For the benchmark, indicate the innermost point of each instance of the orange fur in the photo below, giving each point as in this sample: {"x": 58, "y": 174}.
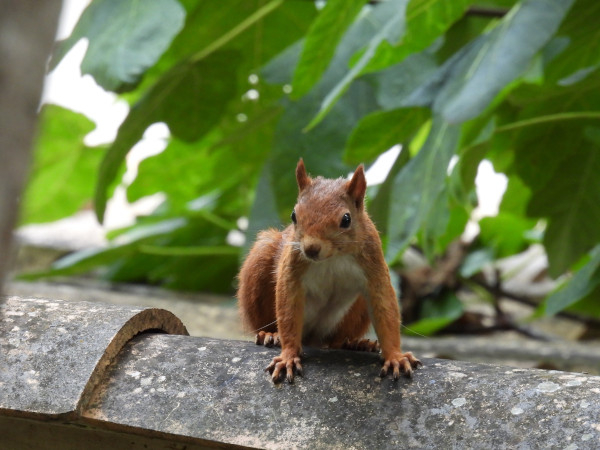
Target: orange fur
{"x": 322, "y": 279}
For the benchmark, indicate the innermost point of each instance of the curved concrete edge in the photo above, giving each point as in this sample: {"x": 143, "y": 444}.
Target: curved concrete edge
{"x": 210, "y": 391}
{"x": 149, "y": 320}
{"x": 53, "y": 353}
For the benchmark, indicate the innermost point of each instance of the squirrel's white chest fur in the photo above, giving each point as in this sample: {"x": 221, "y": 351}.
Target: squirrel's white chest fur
{"x": 331, "y": 287}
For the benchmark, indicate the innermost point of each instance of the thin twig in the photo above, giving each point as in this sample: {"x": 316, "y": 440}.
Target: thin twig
{"x": 588, "y": 321}
{"x": 482, "y": 11}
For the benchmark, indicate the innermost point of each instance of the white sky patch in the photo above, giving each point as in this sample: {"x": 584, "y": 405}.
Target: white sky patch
{"x": 382, "y": 165}
{"x": 490, "y": 187}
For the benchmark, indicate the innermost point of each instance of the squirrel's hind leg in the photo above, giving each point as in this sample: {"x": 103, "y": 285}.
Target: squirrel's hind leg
{"x": 268, "y": 339}
{"x": 349, "y": 333}
{"x": 362, "y": 345}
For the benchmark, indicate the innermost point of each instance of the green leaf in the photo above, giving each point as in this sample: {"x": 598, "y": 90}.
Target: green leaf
{"x": 438, "y": 313}
{"x": 257, "y": 30}
{"x": 215, "y": 250}
{"x": 390, "y": 18}
{"x": 125, "y": 38}
{"x": 408, "y": 83}
{"x": 468, "y": 28}
{"x": 582, "y": 56}
{"x": 190, "y": 98}
{"x": 426, "y": 20}
{"x": 198, "y": 169}
{"x": 445, "y": 224}
{"x": 256, "y": 33}
{"x": 379, "y": 207}
{"x": 505, "y": 233}
{"x": 322, "y": 147}
{"x": 88, "y": 259}
{"x": 381, "y": 130}
{"x": 418, "y": 186}
{"x": 516, "y": 197}
{"x": 60, "y": 182}
{"x": 321, "y": 41}
{"x": 571, "y": 201}
{"x": 589, "y": 305}
{"x": 263, "y": 213}
{"x": 176, "y": 269}
{"x": 475, "y": 261}
{"x": 462, "y": 178}
{"x": 498, "y": 58}
{"x": 584, "y": 281}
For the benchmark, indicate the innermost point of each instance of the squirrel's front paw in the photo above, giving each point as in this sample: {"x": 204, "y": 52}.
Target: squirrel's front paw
{"x": 400, "y": 362}
{"x": 286, "y": 363}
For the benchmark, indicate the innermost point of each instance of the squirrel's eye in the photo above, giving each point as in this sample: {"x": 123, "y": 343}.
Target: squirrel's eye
{"x": 294, "y": 216}
{"x": 345, "y": 223}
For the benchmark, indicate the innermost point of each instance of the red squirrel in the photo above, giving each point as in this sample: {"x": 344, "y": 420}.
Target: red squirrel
{"x": 321, "y": 280}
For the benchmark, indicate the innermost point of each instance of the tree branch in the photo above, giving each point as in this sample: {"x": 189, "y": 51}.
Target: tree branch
{"x": 482, "y": 11}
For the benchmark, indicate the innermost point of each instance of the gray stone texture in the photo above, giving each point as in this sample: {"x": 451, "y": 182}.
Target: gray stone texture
{"x": 214, "y": 390}
{"x": 52, "y": 352}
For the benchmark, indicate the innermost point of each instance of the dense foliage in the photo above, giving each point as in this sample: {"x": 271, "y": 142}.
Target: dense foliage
{"x": 248, "y": 87}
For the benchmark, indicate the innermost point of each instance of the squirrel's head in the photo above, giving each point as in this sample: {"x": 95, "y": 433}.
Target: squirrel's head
{"x": 329, "y": 215}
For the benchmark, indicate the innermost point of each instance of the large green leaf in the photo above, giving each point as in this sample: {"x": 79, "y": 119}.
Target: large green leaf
{"x": 582, "y": 53}
{"x": 192, "y": 96}
{"x": 426, "y": 20}
{"x": 381, "y": 130}
{"x": 88, "y": 259}
{"x": 465, "y": 85}
{"x": 437, "y": 314}
{"x": 389, "y": 21}
{"x": 125, "y": 37}
{"x": 321, "y": 41}
{"x": 264, "y": 213}
{"x": 516, "y": 197}
{"x": 571, "y": 201}
{"x": 505, "y": 233}
{"x": 193, "y": 257}
{"x": 160, "y": 252}
{"x": 190, "y": 99}
{"x": 257, "y": 30}
{"x": 417, "y": 188}
{"x": 582, "y": 283}
{"x": 63, "y": 170}
{"x": 379, "y": 205}
{"x": 413, "y": 82}
{"x": 201, "y": 164}
{"x": 323, "y": 146}
{"x": 498, "y": 58}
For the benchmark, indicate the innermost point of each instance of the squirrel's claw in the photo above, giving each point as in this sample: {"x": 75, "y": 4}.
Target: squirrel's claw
{"x": 285, "y": 365}
{"x": 401, "y": 362}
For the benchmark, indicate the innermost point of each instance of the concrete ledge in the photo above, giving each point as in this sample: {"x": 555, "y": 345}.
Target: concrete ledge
{"x": 53, "y": 353}
{"x": 213, "y": 391}
{"x": 73, "y": 373}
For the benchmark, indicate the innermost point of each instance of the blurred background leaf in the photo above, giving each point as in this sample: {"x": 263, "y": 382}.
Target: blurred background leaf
{"x": 248, "y": 87}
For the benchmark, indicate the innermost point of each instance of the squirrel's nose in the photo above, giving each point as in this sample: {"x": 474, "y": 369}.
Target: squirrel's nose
{"x": 312, "y": 251}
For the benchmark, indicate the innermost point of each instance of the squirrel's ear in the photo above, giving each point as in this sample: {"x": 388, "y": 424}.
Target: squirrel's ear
{"x": 301, "y": 177}
{"x": 357, "y": 186}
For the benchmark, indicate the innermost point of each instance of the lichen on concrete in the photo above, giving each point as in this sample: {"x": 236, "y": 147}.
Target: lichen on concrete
{"x": 218, "y": 391}
{"x": 51, "y": 351}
